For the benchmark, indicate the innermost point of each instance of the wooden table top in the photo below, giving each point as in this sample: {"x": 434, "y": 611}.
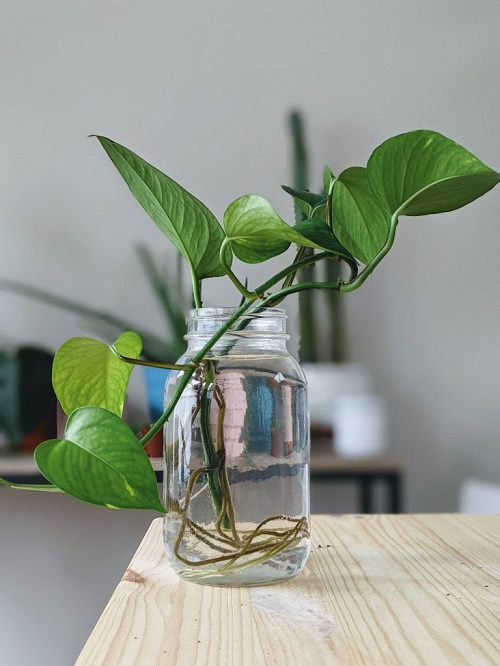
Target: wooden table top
{"x": 379, "y": 589}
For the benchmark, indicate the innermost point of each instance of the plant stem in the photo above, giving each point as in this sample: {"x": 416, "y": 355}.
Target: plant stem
{"x": 48, "y": 488}
{"x": 197, "y": 359}
{"x": 196, "y": 289}
{"x": 150, "y": 364}
{"x": 292, "y": 269}
{"x": 252, "y": 295}
{"x": 272, "y": 299}
{"x": 369, "y": 268}
{"x": 278, "y": 296}
{"x": 213, "y": 460}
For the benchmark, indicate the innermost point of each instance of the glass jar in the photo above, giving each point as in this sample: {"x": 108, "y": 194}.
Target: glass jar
{"x": 236, "y": 457}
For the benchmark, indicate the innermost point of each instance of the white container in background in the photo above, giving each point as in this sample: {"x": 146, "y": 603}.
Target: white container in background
{"x": 329, "y": 381}
{"x": 360, "y": 426}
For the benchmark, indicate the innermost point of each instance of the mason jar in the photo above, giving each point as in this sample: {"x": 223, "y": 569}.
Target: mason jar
{"x": 236, "y": 455}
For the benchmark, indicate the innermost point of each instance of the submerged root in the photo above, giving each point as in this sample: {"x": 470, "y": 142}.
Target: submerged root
{"x": 222, "y": 543}
{"x": 235, "y": 554}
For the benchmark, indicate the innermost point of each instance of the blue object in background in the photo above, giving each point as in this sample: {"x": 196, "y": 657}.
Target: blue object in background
{"x": 259, "y": 416}
{"x": 155, "y": 379}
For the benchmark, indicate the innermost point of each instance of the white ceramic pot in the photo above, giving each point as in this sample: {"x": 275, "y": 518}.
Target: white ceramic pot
{"x": 328, "y": 381}
{"x": 360, "y": 426}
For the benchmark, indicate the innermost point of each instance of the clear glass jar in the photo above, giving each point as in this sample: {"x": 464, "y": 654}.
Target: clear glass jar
{"x": 236, "y": 474}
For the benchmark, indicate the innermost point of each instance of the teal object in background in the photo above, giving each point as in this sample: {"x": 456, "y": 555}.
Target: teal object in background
{"x": 259, "y": 416}
{"x": 155, "y": 379}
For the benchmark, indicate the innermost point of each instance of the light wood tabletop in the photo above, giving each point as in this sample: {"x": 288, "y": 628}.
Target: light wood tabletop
{"x": 380, "y": 589}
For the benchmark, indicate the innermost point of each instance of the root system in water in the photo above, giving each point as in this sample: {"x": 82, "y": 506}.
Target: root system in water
{"x": 224, "y": 545}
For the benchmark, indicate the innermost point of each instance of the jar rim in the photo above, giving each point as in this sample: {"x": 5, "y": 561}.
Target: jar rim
{"x": 263, "y": 321}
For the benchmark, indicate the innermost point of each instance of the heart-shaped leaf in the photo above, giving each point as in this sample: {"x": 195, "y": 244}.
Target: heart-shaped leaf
{"x": 255, "y": 229}
{"x": 257, "y": 232}
{"x": 100, "y": 461}
{"x": 185, "y": 220}
{"x": 360, "y": 222}
{"x": 86, "y": 372}
{"x": 423, "y": 172}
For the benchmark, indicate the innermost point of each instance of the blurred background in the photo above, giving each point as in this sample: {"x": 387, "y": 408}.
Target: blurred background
{"x": 203, "y": 91}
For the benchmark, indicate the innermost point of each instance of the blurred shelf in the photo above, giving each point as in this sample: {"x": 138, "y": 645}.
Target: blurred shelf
{"x": 366, "y": 473}
{"x": 324, "y": 462}
{"x": 19, "y": 468}
{"x": 17, "y": 463}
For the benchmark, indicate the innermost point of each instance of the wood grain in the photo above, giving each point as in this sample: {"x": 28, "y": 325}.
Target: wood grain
{"x": 379, "y": 589}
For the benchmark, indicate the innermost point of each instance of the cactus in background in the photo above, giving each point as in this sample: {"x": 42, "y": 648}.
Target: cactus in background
{"x": 311, "y": 300}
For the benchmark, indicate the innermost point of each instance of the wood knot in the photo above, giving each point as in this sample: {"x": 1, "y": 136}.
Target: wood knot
{"x": 132, "y": 576}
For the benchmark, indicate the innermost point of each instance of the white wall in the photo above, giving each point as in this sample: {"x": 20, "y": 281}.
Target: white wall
{"x": 201, "y": 90}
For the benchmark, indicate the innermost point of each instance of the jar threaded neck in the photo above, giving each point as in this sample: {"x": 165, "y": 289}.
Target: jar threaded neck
{"x": 264, "y": 321}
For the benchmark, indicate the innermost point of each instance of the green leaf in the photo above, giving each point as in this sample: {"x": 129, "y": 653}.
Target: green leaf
{"x": 309, "y": 202}
{"x": 257, "y": 232}
{"x": 328, "y": 179}
{"x": 186, "y": 222}
{"x": 100, "y": 461}
{"x": 255, "y": 229}
{"x": 360, "y": 222}
{"x": 423, "y": 172}
{"x": 86, "y": 372}
{"x": 320, "y": 233}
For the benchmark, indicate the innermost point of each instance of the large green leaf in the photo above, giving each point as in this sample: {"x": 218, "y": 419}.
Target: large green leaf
{"x": 360, "y": 222}
{"x": 86, "y": 372}
{"x": 423, "y": 172}
{"x": 255, "y": 229}
{"x": 186, "y": 222}
{"x": 100, "y": 461}
{"x": 257, "y": 232}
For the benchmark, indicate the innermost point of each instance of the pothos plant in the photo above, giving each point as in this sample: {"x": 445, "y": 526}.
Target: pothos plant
{"x": 100, "y": 460}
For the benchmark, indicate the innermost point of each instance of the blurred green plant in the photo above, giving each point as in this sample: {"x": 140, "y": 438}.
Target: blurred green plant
{"x": 167, "y": 288}
{"x": 314, "y": 305}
